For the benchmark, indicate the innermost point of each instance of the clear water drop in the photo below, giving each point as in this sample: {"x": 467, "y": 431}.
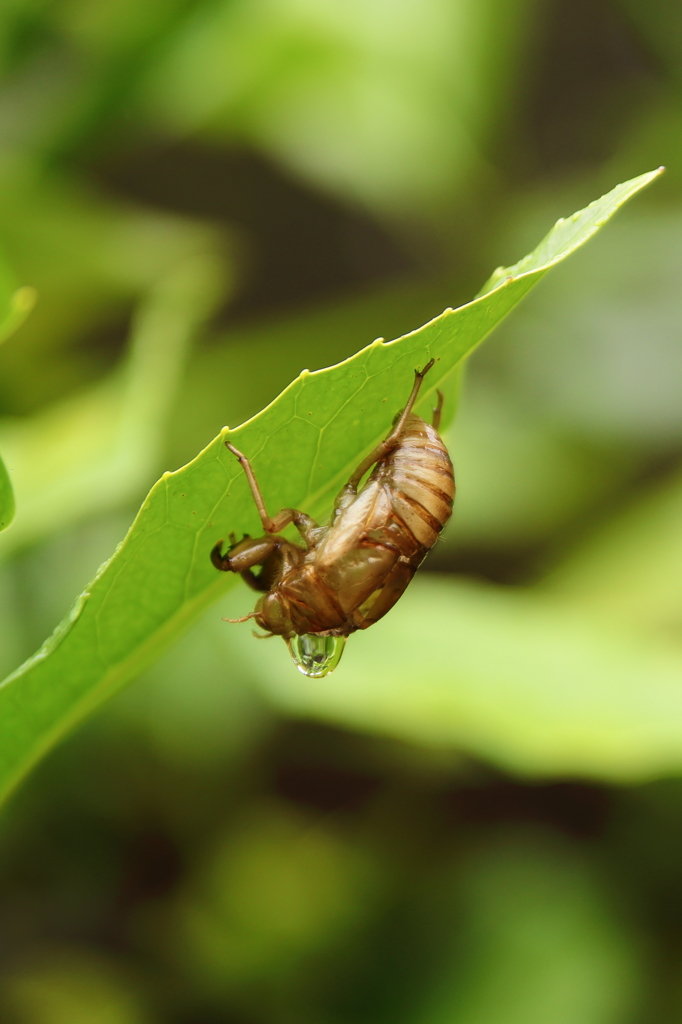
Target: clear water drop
{"x": 315, "y": 655}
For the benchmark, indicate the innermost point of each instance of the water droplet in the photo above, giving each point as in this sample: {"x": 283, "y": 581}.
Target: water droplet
{"x": 315, "y": 655}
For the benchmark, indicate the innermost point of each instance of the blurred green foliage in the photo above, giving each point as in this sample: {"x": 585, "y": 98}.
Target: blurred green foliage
{"x": 15, "y": 304}
{"x": 280, "y": 182}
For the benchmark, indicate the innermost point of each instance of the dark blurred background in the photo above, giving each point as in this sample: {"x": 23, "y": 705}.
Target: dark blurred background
{"x": 208, "y": 197}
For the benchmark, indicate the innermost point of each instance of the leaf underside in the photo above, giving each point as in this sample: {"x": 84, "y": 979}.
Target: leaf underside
{"x": 303, "y": 445}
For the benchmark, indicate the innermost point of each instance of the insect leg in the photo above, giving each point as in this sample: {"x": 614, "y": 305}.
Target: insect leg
{"x": 265, "y": 519}
{"x": 437, "y": 411}
{"x": 390, "y": 442}
{"x": 246, "y": 554}
{"x": 253, "y": 581}
{"x": 303, "y": 522}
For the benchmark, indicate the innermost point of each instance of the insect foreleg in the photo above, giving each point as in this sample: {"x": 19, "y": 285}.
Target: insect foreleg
{"x": 246, "y": 554}
{"x": 390, "y": 442}
{"x": 304, "y": 524}
{"x": 268, "y": 524}
{"x": 253, "y": 581}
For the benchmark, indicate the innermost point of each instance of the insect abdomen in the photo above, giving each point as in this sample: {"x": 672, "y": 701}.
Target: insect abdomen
{"x": 421, "y": 480}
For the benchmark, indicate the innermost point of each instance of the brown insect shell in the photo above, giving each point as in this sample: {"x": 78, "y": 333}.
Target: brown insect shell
{"x": 362, "y": 563}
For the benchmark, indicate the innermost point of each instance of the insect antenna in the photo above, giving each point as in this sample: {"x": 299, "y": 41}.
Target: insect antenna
{"x": 244, "y": 618}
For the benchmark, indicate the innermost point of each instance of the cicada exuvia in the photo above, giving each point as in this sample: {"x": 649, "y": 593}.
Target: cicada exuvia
{"x": 347, "y": 575}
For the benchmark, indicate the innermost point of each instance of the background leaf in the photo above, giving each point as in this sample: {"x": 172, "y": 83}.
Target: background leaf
{"x": 99, "y": 449}
{"x": 528, "y": 681}
{"x": 7, "y": 505}
{"x": 303, "y": 445}
{"x": 19, "y": 305}
{"x": 15, "y": 305}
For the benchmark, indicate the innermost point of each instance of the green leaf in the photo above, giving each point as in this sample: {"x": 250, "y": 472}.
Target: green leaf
{"x": 15, "y": 305}
{"x": 303, "y": 445}
{"x": 630, "y": 571}
{"x": 569, "y": 233}
{"x": 19, "y": 305}
{"x": 7, "y": 507}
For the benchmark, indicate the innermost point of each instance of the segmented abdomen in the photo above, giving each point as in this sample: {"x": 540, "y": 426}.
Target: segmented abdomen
{"x": 420, "y": 477}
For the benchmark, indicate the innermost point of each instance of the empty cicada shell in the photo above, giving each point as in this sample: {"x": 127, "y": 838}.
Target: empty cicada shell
{"x": 347, "y": 575}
